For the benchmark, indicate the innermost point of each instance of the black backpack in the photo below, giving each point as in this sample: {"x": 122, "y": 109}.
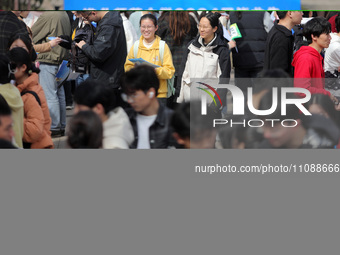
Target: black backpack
{"x": 80, "y": 62}
{"x": 32, "y": 93}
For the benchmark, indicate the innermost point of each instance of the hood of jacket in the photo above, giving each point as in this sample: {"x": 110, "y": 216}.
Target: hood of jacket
{"x": 217, "y": 41}
{"x": 118, "y": 131}
{"x": 12, "y": 96}
{"x": 306, "y": 52}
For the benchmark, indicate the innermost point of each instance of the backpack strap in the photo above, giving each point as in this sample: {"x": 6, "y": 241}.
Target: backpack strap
{"x": 32, "y": 93}
{"x": 161, "y": 49}
{"x": 135, "y": 48}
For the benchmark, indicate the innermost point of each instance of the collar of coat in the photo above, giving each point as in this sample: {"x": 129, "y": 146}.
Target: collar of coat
{"x": 217, "y": 41}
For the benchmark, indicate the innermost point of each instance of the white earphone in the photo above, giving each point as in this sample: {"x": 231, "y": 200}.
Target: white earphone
{"x": 151, "y": 94}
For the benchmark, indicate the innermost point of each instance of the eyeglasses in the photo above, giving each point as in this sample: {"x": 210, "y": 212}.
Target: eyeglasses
{"x": 127, "y": 98}
{"x": 202, "y": 27}
{"x": 87, "y": 16}
{"x": 147, "y": 27}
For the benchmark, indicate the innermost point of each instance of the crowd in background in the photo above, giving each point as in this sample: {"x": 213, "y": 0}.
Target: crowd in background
{"x": 131, "y": 75}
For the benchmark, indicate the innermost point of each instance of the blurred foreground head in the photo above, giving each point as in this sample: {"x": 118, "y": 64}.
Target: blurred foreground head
{"x": 191, "y": 128}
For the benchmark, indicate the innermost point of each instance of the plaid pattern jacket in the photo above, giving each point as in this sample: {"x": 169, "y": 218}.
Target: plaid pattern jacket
{"x": 9, "y": 26}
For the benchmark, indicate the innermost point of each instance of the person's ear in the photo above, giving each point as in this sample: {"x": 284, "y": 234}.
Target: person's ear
{"x": 23, "y": 68}
{"x": 99, "y": 109}
{"x": 151, "y": 93}
{"x": 314, "y": 38}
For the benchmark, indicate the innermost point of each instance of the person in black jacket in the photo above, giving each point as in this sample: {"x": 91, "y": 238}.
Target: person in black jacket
{"x": 248, "y": 56}
{"x": 149, "y": 118}
{"x": 108, "y": 52}
{"x": 280, "y": 42}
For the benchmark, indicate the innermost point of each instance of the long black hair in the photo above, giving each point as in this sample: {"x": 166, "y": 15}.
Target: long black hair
{"x": 19, "y": 56}
{"x": 214, "y": 21}
{"x": 27, "y": 41}
{"x": 85, "y": 131}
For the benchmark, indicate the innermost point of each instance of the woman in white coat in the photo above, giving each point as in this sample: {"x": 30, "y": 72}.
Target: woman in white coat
{"x": 208, "y": 55}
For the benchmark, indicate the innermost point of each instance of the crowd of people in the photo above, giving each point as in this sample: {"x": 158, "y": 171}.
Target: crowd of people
{"x": 134, "y": 73}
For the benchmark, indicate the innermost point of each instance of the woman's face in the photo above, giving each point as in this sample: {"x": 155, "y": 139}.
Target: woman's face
{"x": 18, "y": 43}
{"x": 205, "y": 29}
{"x": 148, "y": 29}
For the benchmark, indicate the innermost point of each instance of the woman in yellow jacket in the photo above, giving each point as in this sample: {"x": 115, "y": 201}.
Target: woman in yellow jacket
{"x": 149, "y": 50}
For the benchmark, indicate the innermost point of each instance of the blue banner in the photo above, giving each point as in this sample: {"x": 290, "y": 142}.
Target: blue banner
{"x": 183, "y": 5}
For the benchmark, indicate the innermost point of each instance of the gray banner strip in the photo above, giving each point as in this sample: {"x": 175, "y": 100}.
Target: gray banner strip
{"x": 152, "y": 202}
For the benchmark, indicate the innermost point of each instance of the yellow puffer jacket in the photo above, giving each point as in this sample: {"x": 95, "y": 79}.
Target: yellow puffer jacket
{"x": 166, "y": 71}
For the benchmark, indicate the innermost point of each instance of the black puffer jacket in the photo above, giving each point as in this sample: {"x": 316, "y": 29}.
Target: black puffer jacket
{"x": 251, "y": 46}
{"x": 108, "y": 52}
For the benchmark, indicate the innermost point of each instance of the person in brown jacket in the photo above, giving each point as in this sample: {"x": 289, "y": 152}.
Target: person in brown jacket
{"x": 37, "y": 120}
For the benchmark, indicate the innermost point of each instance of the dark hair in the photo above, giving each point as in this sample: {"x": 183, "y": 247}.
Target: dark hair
{"x": 27, "y": 41}
{"x": 5, "y": 76}
{"x": 92, "y": 92}
{"x": 337, "y": 23}
{"x": 213, "y": 18}
{"x": 316, "y": 27}
{"x": 141, "y": 77}
{"x": 326, "y": 104}
{"x": 180, "y": 120}
{"x": 188, "y": 121}
{"x": 281, "y": 14}
{"x": 149, "y": 16}
{"x": 5, "y": 110}
{"x": 214, "y": 21}
{"x": 85, "y": 131}
{"x": 272, "y": 78}
{"x": 229, "y": 134}
{"x": 19, "y": 56}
